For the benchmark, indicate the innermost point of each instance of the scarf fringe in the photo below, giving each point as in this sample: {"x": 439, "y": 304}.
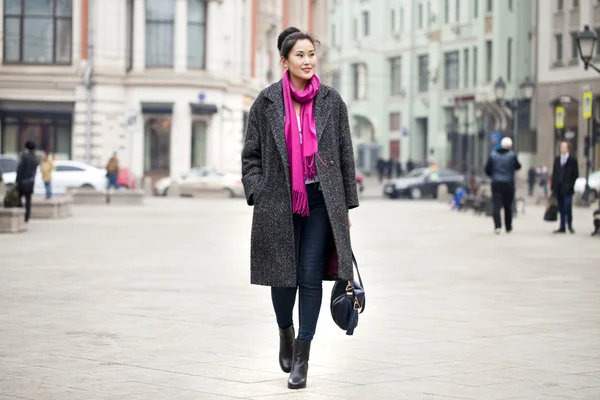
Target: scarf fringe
{"x": 300, "y": 203}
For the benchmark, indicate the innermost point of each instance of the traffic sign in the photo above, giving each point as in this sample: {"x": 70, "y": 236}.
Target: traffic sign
{"x": 559, "y": 117}
{"x": 587, "y": 105}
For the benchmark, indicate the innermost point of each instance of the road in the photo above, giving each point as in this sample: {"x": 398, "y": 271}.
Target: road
{"x": 154, "y": 302}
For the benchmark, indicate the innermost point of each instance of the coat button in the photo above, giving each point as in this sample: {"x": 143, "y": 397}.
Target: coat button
{"x": 332, "y": 162}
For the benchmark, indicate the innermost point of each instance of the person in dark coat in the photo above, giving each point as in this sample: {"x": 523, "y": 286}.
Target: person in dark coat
{"x": 501, "y": 167}
{"x": 25, "y": 179}
{"x": 531, "y": 178}
{"x": 298, "y": 172}
{"x": 564, "y": 174}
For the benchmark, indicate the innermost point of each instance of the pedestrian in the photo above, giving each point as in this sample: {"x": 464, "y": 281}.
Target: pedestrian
{"x": 531, "y": 178}
{"x": 544, "y": 179}
{"x": 564, "y": 174}
{"x": 380, "y": 168}
{"x": 298, "y": 172}
{"x": 25, "y": 178}
{"x": 112, "y": 171}
{"x": 501, "y": 167}
{"x": 46, "y": 168}
{"x": 410, "y": 165}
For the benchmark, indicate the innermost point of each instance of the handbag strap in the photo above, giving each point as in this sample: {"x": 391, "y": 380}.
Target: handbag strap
{"x": 362, "y": 306}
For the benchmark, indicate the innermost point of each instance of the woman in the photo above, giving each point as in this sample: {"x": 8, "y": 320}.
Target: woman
{"x": 46, "y": 167}
{"x": 298, "y": 173}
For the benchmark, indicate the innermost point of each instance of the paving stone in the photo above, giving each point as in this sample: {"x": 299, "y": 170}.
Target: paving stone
{"x": 154, "y": 302}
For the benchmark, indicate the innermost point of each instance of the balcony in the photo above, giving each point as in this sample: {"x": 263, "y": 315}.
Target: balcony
{"x": 597, "y": 15}
{"x": 559, "y": 21}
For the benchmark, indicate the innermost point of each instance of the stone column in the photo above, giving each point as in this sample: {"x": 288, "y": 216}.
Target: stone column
{"x": 139, "y": 36}
{"x": 180, "y": 53}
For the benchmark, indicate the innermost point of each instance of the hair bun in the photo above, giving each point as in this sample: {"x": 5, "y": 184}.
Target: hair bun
{"x": 284, "y": 34}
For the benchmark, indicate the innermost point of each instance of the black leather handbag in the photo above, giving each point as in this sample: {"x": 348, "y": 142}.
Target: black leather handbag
{"x": 347, "y": 301}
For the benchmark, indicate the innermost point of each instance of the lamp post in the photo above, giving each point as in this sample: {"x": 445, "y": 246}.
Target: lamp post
{"x": 526, "y": 93}
{"x": 467, "y": 160}
{"x": 586, "y": 45}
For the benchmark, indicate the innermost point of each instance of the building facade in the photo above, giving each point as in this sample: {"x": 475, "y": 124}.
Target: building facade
{"x": 403, "y": 66}
{"x": 561, "y": 77}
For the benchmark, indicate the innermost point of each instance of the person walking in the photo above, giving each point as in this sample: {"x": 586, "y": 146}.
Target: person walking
{"x": 298, "y": 172}
{"x": 501, "y": 167}
{"x": 112, "y": 171}
{"x": 532, "y": 175}
{"x": 564, "y": 174}
{"x": 46, "y": 168}
{"x": 25, "y": 178}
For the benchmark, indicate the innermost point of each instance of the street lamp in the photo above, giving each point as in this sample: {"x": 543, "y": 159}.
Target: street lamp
{"x": 527, "y": 88}
{"x": 586, "y": 44}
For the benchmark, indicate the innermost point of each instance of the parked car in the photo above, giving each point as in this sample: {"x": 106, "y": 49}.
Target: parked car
{"x": 199, "y": 180}
{"x": 594, "y": 186}
{"x": 66, "y": 174}
{"x": 423, "y": 182}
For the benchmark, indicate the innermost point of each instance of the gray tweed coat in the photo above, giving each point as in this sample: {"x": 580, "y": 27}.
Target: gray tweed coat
{"x": 265, "y": 175}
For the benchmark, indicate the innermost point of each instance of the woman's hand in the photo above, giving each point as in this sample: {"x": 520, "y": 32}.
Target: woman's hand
{"x": 349, "y": 222}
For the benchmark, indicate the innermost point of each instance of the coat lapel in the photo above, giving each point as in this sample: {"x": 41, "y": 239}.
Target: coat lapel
{"x": 276, "y": 117}
{"x": 322, "y": 111}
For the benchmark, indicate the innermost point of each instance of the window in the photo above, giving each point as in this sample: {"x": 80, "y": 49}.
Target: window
{"x": 393, "y": 21}
{"x": 457, "y": 10}
{"x": 336, "y": 80}
{"x": 509, "y": 60}
{"x": 489, "y": 58}
{"x": 428, "y": 16}
{"x": 49, "y": 134}
{"x": 360, "y": 81}
{"x": 475, "y": 77}
{"x": 355, "y": 29}
{"x": 38, "y": 32}
{"x": 446, "y": 11}
{"x": 157, "y": 144}
{"x": 402, "y": 19}
{"x": 160, "y": 31}
{"x": 510, "y": 5}
{"x": 420, "y": 15}
{"x": 560, "y": 5}
{"x": 466, "y": 67}
{"x": 332, "y": 35}
{"x": 365, "y": 19}
{"x": 423, "y": 73}
{"x": 575, "y": 4}
{"x": 196, "y": 34}
{"x": 394, "y": 121}
{"x": 129, "y": 35}
{"x": 199, "y": 144}
{"x": 476, "y": 8}
{"x": 451, "y": 65}
{"x": 558, "y": 40}
{"x": 396, "y": 76}
{"x": 490, "y": 5}
{"x": 574, "y": 49}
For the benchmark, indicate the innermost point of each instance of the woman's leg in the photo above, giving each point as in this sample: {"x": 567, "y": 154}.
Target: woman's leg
{"x": 315, "y": 248}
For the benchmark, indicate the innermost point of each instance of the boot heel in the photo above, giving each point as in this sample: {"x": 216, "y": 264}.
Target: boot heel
{"x": 298, "y": 375}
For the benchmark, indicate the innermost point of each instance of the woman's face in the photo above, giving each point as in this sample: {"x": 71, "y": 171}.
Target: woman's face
{"x": 302, "y": 60}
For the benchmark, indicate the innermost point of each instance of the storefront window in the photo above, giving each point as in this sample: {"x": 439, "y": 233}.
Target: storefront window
{"x": 199, "y": 144}
{"x": 157, "y": 145}
{"x": 48, "y": 134}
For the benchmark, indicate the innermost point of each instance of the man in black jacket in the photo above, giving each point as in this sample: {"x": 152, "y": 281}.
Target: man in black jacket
{"x": 501, "y": 167}
{"x": 564, "y": 174}
{"x": 25, "y": 179}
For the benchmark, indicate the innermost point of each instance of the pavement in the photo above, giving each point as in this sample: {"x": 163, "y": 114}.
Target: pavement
{"x": 154, "y": 302}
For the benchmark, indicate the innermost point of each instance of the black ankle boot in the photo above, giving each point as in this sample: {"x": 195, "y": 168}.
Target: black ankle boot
{"x": 297, "y": 379}
{"x": 286, "y": 348}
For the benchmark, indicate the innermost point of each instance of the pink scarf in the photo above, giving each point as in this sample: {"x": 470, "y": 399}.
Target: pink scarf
{"x": 301, "y": 156}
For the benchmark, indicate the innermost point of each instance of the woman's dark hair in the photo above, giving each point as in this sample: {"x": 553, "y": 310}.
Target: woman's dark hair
{"x": 288, "y": 38}
{"x": 30, "y": 145}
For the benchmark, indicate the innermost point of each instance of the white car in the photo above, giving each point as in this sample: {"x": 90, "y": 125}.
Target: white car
{"x": 594, "y": 186}
{"x": 66, "y": 174}
{"x": 200, "y": 180}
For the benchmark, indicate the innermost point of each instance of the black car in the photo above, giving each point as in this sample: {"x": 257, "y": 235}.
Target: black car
{"x": 423, "y": 182}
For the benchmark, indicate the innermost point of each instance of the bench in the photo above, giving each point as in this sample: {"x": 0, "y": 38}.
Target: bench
{"x": 55, "y": 207}
{"x": 12, "y": 220}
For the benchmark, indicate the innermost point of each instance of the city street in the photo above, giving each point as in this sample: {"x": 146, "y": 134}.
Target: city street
{"x": 154, "y": 302}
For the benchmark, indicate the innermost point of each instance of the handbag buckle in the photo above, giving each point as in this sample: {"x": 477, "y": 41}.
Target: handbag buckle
{"x": 349, "y": 289}
{"x": 356, "y": 303}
